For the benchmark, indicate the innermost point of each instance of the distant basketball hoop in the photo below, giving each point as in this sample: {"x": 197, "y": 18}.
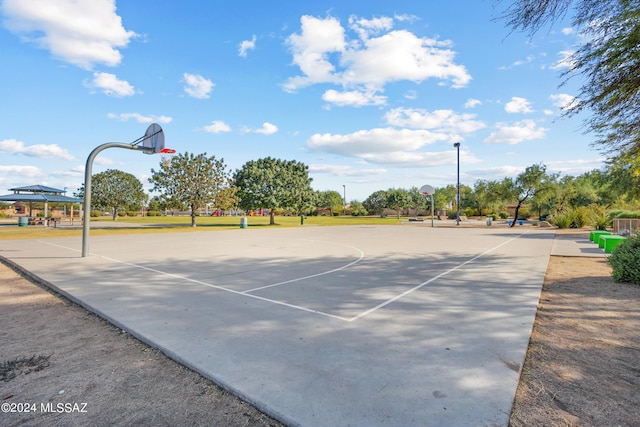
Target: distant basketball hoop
{"x": 428, "y": 191}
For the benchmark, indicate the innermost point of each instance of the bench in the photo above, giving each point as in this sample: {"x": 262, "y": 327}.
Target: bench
{"x": 594, "y": 235}
{"x": 610, "y": 242}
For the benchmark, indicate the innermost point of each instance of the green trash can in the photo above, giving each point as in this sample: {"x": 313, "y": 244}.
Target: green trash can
{"x": 23, "y": 221}
{"x": 244, "y": 223}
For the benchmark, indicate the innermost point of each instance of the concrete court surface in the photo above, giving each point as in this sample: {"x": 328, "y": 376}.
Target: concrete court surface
{"x": 323, "y": 326}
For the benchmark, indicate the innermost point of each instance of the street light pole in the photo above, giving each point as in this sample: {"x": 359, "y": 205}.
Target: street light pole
{"x": 457, "y": 145}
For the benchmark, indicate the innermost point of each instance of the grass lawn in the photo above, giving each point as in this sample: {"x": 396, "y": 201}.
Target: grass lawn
{"x": 9, "y": 229}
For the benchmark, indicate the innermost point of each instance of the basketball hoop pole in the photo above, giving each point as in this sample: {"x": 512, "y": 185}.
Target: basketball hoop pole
{"x": 87, "y": 186}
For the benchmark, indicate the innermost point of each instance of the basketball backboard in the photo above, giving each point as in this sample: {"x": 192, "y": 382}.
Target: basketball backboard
{"x": 154, "y": 138}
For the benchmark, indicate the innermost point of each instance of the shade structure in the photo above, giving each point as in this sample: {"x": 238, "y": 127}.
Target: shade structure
{"x": 38, "y": 193}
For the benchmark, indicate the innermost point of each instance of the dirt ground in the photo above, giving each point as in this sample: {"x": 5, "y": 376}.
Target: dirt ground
{"x": 60, "y": 365}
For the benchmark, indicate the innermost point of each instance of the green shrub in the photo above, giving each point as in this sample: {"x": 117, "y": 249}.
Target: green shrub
{"x": 132, "y": 213}
{"x": 154, "y": 213}
{"x": 625, "y": 261}
{"x": 523, "y": 212}
{"x": 560, "y": 219}
{"x": 503, "y": 215}
{"x": 120, "y": 213}
{"x": 579, "y": 217}
{"x": 599, "y": 218}
{"x": 624, "y": 214}
{"x": 94, "y": 213}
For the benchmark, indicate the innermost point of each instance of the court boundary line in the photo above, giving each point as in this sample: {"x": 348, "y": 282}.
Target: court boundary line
{"x": 308, "y": 310}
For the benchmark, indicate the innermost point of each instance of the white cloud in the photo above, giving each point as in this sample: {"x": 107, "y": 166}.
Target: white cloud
{"x": 472, "y": 103}
{"x": 82, "y": 33}
{"x": 379, "y": 140}
{"x": 388, "y": 146}
{"x": 496, "y": 172}
{"x": 518, "y": 105}
{"x": 564, "y": 101}
{"x": 111, "y": 85}
{"x": 13, "y": 146}
{"x": 102, "y": 160}
{"x": 365, "y": 64}
{"x": 401, "y": 55}
{"x": 247, "y": 45}
{"x": 442, "y": 120}
{"x": 123, "y": 117}
{"x": 353, "y": 98}
{"x": 368, "y": 27}
{"x": 525, "y": 130}
{"x": 342, "y": 170}
{"x": 568, "y": 31}
{"x": 566, "y": 60}
{"x": 197, "y": 86}
{"x": 21, "y": 171}
{"x": 267, "y": 129}
{"x": 217, "y": 126}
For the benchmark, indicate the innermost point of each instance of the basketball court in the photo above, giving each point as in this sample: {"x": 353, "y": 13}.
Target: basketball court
{"x": 323, "y": 326}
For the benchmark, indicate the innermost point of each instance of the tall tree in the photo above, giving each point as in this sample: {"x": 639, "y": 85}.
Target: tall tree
{"x": 376, "y": 202}
{"x": 485, "y": 196}
{"x": 609, "y": 59}
{"x": 416, "y": 200}
{"x": 191, "y": 180}
{"x": 445, "y": 197}
{"x": 526, "y": 186}
{"x": 329, "y": 200}
{"x": 116, "y": 190}
{"x": 273, "y": 183}
{"x": 398, "y": 199}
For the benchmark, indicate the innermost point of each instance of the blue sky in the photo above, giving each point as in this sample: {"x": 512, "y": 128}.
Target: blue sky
{"x": 369, "y": 94}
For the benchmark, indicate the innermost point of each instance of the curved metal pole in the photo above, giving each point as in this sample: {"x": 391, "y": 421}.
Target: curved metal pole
{"x": 86, "y": 215}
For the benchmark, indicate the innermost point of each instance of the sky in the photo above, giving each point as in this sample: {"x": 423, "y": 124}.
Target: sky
{"x": 370, "y": 95}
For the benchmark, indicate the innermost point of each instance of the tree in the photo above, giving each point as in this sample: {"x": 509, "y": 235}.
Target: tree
{"x": 329, "y": 200}
{"x": 609, "y": 59}
{"x": 357, "y": 208}
{"x": 526, "y": 185}
{"x": 416, "y": 200}
{"x": 191, "y": 180}
{"x": 397, "y": 199}
{"x": 487, "y": 195}
{"x": 273, "y": 183}
{"x": 624, "y": 176}
{"x": 116, "y": 190}
{"x": 376, "y": 202}
{"x": 444, "y": 197}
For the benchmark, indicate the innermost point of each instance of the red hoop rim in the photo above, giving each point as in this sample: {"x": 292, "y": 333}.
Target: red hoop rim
{"x": 167, "y": 151}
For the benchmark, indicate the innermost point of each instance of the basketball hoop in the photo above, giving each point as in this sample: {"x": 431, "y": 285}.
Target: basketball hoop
{"x": 428, "y": 191}
{"x": 153, "y": 140}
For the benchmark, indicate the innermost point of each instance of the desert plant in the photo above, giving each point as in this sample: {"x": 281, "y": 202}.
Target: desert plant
{"x": 625, "y": 261}
{"x": 560, "y": 219}
{"x": 579, "y": 216}
{"x": 523, "y": 213}
{"x": 599, "y": 218}
{"x": 503, "y": 215}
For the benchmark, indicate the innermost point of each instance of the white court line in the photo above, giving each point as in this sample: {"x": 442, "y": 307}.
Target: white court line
{"x": 351, "y": 319}
{"x": 313, "y": 275}
{"x": 405, "y": 293}
{"x": 221, "y": 288}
